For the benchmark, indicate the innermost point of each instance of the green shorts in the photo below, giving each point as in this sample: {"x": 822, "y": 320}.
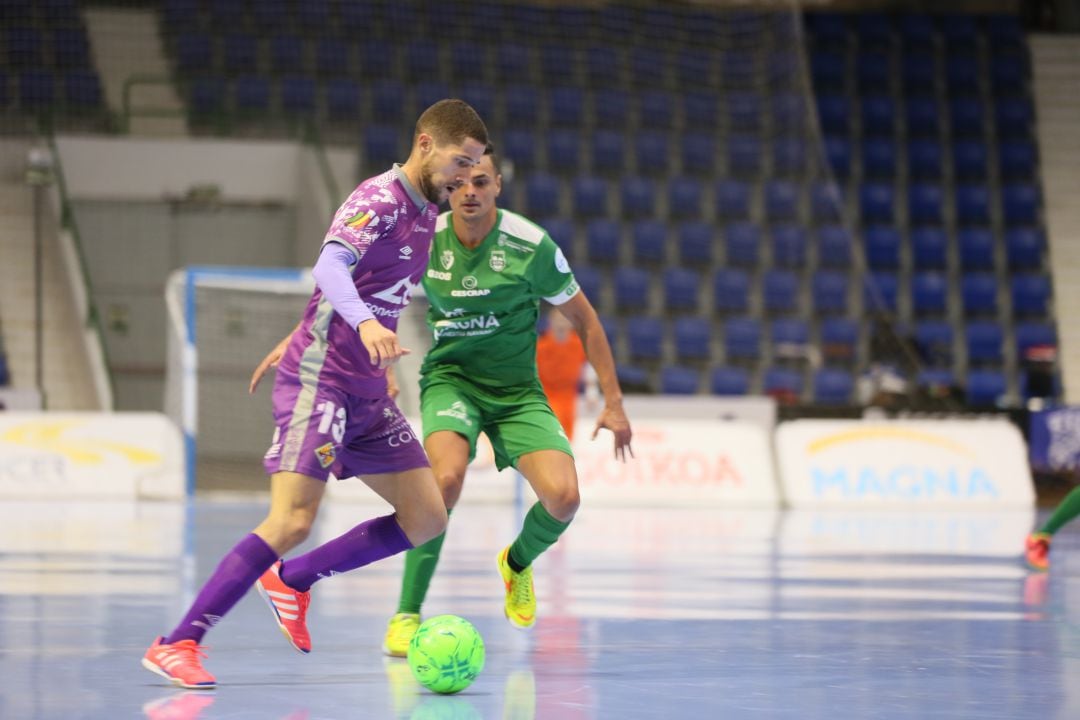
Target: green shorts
{"x": 517, "y": 421}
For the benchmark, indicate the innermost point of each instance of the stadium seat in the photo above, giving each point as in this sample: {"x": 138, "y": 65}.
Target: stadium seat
{"x": 608, "y": 149}
{"x": 917, "y": 32}
{"x": 878, "y": 116}
{"x": 684, "y": 198}
{"x": 638, "y": 197}
{"x": 206, "y": 95}
{"x": 834, "y": 246}
{"x": 744, "y": 156}
{"x": 566, "y": 107}
{"x": 298, "y": 95}
{"x": 876, "y": 202}
{"x": 731, "y": 291}
{"x": 511, "y": 62}
{"x": 834, "y": 114}
{"x": 985, "y": 387}
{"x": 1017, "y": 159}
{"x": 693, "y": 339}
{"x": 651, "y": 152}
{"x": 71, "y": 49}
{"x": 788, "y": 156}
{"x": 934, "y": 339}
{"x": 969, "y": 159}
{"x": 696, "y": 243}
{"x": 645, "y": 338}
{"x": 647, "y": 65}
{"x": 286, "y": 53}
{"x": 240, "y": 52}
{"x": 563, "y": 151}
{"x": 825, "y": 202}
{"x": 377, "y": 58}
{"x": 562, "y": 232}
{"x": 179, "y": 15}
{"x": 270, "y": 14}
{"x": 978, "y": 292}
{"x": 24, "y": 46}
{"x": 602, "y": 241}
{"x": 82, "y": 90}
{"x": 782, "y": 381}
{"x": 1009, "y": 74}
{"x": 633, "y": 378}
{"x": 788, "y": 244}
{"x": 227, "y": 14}
{"x": 929, "y": 293}
{"x": 1024, "y": 248}
{"x": 879, "y": 158}
{"x": 602, "y": 63}
{"x": 656, "y": 110}
{"x": 830, "y": 292}
{"x": 194, "y": 52}
{"x": 919, "y": 70}
{"x": 972, "y": 204}
{"x": 681, "y": 288}
{"x": 925, "y": 203}
{"x": 251, "y": 94}
{"x": 962, "y": 74}
{"x": 592, "y": 284}
{"x": 828, "y": 69}
{"x": 929, "y": 248}
{"x": 983, "y": 339}
{"x": 880, "y": 292}
{"x": 874, "y": 29}
{"x": 1020, "y": 203}
{"x": 611, "y": 108}
{"x": 729, "y": 381}
{"x": 925, "y": 159}
{"x": 1031, "y": 334}
{"x": 428, "y": 92}
{"x": 632, "y": 289}
{"x": 542, "y": 194}
{"x": 744, "y": 111}
{"x": 833, "y": 386}
{"x": 331, "y": 57}
{"x": 693, "y": 67}
{"x": 839, "y": 339}
{"x": 420, "y": 58}
{"x": 649, "y": 239}
{"x": 959, "y": 31}
{"x": 387, "y": 100}
{"x": 732, "y": 200}
{"x": 742, "y": 339}
{"x": 466, "y": 58}
{"x": 1014, "y": 117}
{"x": 1030, "y": 295}
{"x": 976, "y": 246}
{"x": 698, "y": 152}
{"x": 873, "y": 70}
{"x": 678, "y": 380}
{"x": 700, "y": 109}
{"x": 882, "y": 247}
{"x": 780, "y": 290}
{"x": 790, "y": 338}
{"x": 838, "y": 155}
{"x": 480, "y": 95}
{"x": 520, "y": 147}
{"x": 521, "y": 105}
{"x": 590, "y": 197}
{"x": 382, "y": 145}
{"x": 966, "y": 114}
{"x": 781, "y": 201}
{"x": 742, "y": 243}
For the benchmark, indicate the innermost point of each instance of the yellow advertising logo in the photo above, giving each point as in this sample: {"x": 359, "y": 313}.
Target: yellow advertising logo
{"x": 881, "y": 432}
{"x": 50, "y": 437}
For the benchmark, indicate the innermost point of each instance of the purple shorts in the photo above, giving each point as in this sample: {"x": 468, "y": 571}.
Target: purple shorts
{"x": 320, "y": 430}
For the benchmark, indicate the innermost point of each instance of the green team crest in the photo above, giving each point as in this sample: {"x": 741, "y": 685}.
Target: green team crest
{"x": 446, "y": 259}
{"x": 497, "y": 260}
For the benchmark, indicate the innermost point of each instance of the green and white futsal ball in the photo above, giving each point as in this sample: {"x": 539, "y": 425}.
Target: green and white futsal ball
{"x": 446, "y": 654}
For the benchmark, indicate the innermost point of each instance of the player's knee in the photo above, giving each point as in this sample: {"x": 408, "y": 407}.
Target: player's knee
{"x": 450, "y": 484}
{"x": 297, "y": 527}
{"x": 423, "y": 524}
{"x": 563, "y": 503}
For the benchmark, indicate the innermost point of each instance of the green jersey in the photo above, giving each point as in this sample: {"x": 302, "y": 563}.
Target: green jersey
{"x": 484, "y": 302}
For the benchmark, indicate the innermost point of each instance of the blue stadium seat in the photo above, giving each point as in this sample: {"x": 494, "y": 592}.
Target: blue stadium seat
{"x": 611, "y": 108}
{"x": 382, "y": 145}
{"x": 976, "y": 246}
{"x": 698, "y": 152}
{"x": 839, "y": 339}
{"x": 966, "y": 116}
{"x": 780, "y": 290}
{"x": 558, "y": 62}
{"x": 917, "y": 31}
{"x": 742, "y": 338}
{"x": 874, "y": 29}
{"x": 693, "y": 66}
{"x": 732, "y": 200}
{"x": 701, "y": 109}
{"x": 651, "y": 152}
{"x": 744, "y": 111}
{"x": 376, "y": 57}
{"x": 969, "y": 159}
{"x": 206, "y": 95}
{"x": 782, "y": 381}
{"x": 1024, "y": 248}
{"x": 788, "y": 156}
{"x": 592, "y": 284}
{"x": 972, "y": 204}
{"x": 421, "y": 59}
{"x": 270, "y": 14}
{"x": 919, "y": 70}
{"x": 744, "y": 156}
{"x": 879, "y": 158}
{"x": 978, "y": 292}
{"x": 566, "y": 106}
{"x": 331, "y": 57}
{"x": 925, "y": 159}
{"x": 194, "y": 53}
{"x": 962, "y": 73}
{"x": 466, "y": 58}
{"x": 387, "y": 100}
{"x": 656, "y": 110}
{"x": 428, "y": 92}
{"x": 1009, "y": 74}
{"x": 649, "y": 241}
{"x": 179, "y": 15}
{"x": 923, "y": 117}
{"x": 737, "y": 68}
{"x": 729, "y": 381}
{"x": 834, "y": 113}
{"x": 834, "y": 246}
{"x": 602, "y": 63}
{"x": 742, "y": 242}
{"x": 511, "y": 62}
{"x": 684, "y": 198}
{"x": 693, "y": 339}
{"x": 602, "y": 241}
{"x": 521, "y": 105}
{"x": 829, "y": 289}
{"x": 790, "y": 337}
{"x": 286, "y": 53}
{"x": 1030, "y": 295}
{"x": 1014, "y": 117}
{"x": 563, "y": 151}
{"x": 227, "y": 13}
{"x": 781, "y": 200}
{"x": 873, "y": 70}
{"x": 542, "y": 194}
{"x": 882, "y": 247}
{"x": 82, "y": 90}
{"x": 789, "y": 109}
{"x": 638, "y": 197}
{"x": 1005, "y": 31}
{"x": 1017, "y": 159}
{"x": 696, "y": 243}
{"x": 925, "y": 203}
{"x": 876, "y": 201}
{"x": 634, "y": 377}
{"x": 608, "y": 148}
{"x": 520, "y": 146}
{"x": 878, "y": 115}
{"x": 1031, "y": 334}
{"x": 838, "y": 155}
{"x": 562, "y": 231}
{"x": 825, "y": 202}
{"x": 929, "y": 248}
{"x": 70, "y": 48}
{"x": 731, "y": 291}
{"x": 833, "y": 386}
{"x": 645, "y": 338}
{"x": 240, "y": 53}
{"x": 985, "y": 387}
{"x": 828, "y": 69}
{"x": 24, "y": 46}
{"x": 828, "y": 29}
{"x": 929, "y": 293}
{"x": 298, "y": 95}
{"x": 251, "y": 94}
{"x": 681, "y": 288}
{"x": 983, "y": 339}
{"x": 960, "y": 32}
{"x": 632, "y": 289}
{"x": 648, "y": 66}
{"x": 934, "y": 339}
{"x": 1020, "y": 203}
{"x": 880, "y": 292}
{"x": 678, "y": 380}
{"x": 788, "y": 244}
{"x": 590, "y": 197}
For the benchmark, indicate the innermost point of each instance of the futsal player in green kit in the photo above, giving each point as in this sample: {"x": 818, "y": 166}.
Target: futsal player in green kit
{"x": 488, "y": 271}
{"x": 1037, "y": 545}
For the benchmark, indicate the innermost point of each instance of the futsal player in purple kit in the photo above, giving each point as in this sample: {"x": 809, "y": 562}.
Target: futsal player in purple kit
{"x": 332, "y": 412}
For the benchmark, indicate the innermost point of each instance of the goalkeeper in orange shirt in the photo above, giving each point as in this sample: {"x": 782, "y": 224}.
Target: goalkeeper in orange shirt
{"x": 563, "y": 367}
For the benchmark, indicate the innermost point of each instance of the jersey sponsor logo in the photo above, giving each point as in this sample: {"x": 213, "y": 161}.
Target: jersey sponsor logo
{"x": 438, "y": 274}
{"x": 398, "y": 294}
{"x": 456, "y": 312}
{"x": 361, "y": 220}
{"x": 275, "y": 446}
{"x": 384, "y": 312}
{"x": 446, "y": 259}
{"x": 571, "y": 289}
{"x": 504, "y": 241}
{"x": 470, "y": 293}
{"x": 497, "y": 261}
{"x": 476, "y": 325}
{"x": 405, "y": 253}
{"x": 326, "y": 454}
{"x": 402, "y": 438}
{"x": 469, "y": 282}
{"x": 560, "y": 261}
{"x": 456, "y": 411}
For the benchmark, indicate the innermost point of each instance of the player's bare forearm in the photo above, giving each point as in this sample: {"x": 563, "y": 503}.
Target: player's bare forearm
{"x": 271, "y": 360}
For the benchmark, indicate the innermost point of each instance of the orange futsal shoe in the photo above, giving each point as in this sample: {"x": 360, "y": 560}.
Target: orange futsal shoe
{"x": 289, "y": 607}
{"x": 179, "y": 663}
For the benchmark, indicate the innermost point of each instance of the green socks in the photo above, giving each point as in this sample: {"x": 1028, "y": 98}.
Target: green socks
{"x": 420, "y": 565}
{"x": 1063, "y": 513}
{"x": 538, "y": 533}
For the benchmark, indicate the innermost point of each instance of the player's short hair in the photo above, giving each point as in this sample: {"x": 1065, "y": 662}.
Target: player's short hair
{"x": 451, "y": 121}
{"x": 489, "y": 151}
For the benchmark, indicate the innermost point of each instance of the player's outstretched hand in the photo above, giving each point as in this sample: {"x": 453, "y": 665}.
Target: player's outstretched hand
{"x": 381, "y": 343}
{"x": 392, "y": 387}
{"x": 270, "y": 361}
{"x": 613, "y": 417}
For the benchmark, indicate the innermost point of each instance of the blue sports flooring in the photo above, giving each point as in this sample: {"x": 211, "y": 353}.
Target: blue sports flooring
{"x": 658, "y": 613}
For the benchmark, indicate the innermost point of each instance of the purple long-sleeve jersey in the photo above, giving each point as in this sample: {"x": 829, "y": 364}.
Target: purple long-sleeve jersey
{"x": 388, "y": 225}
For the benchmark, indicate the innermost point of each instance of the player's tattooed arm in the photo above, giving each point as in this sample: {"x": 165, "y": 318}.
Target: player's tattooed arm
{"x": 271, "y": 360}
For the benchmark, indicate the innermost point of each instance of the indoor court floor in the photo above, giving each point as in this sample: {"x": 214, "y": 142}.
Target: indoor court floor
{"x": 644, "y": 613}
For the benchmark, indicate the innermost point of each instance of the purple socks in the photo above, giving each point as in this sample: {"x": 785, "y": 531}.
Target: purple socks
{"x": 367, "y": 542}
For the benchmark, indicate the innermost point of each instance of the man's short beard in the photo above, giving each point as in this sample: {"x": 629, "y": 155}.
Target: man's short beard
{"x": 427, "y": 189}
